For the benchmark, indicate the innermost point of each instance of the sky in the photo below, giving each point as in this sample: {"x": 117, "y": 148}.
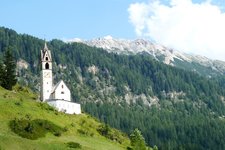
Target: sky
{"x": 191, "y": 26}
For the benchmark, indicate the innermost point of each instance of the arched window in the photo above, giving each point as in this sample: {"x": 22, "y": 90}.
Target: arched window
{"x": 46, "y": 66}
{"x": 46, "y": 58}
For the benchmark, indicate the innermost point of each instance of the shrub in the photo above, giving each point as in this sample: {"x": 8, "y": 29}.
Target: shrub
{"x": 18, "y": 103}
{"x": 57, "y": 133}
{"x": 5, "y": 95}
{"x": 81, "y": 131}
{"x": 111, "y": 134}
{"x": 85, "y": 132}
{"x": 73, "y": 145}
{"x": 129, "y": 148}
{"x": 73, "y": 124}
{"x": 47, "y": 107}
{"x": 137, "y": 140}
{"x": 65, "y": 129}
{"x": 104, "y": 130}
{"x": 34, "y": 129}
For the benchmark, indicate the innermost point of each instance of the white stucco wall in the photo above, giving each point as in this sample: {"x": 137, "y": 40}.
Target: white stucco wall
{"x": 46, "y": 84}
{"x": 66, "y": 106}
{"x": 62, "y": 92}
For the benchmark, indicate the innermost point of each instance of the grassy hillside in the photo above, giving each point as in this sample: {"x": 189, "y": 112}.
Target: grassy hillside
{"x": 82, "y": 129}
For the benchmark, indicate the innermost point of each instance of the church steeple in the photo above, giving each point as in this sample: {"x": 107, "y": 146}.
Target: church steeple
{"x": 46, "y": 73}
{"x": 46, "y": 47}
{"x": 46, "y": 58}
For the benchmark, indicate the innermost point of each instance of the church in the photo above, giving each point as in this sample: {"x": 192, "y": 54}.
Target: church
{"x": 57, "y": 95}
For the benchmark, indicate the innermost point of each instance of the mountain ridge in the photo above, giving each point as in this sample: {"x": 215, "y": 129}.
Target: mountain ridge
{"x": 159, "y": 52}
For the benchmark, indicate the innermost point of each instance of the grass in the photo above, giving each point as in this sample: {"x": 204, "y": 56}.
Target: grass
{"x": 78, "y": 130}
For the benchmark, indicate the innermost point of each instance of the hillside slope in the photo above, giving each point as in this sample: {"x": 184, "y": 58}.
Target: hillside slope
{"x": 81, "y": 129}
{"x": 174, "y": 108}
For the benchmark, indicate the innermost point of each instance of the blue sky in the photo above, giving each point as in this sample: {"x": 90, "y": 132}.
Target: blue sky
{"x": 68, "y": 18}
{"x": 179, "y": 24}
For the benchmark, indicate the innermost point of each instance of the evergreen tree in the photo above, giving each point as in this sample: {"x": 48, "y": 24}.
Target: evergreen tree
{"x": 1, "y": 73}
{"x": 9, "y": 72}
{"x": 137, "y": 140}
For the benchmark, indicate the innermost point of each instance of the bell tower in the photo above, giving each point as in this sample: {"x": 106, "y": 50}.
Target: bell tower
{"x": 46, "y": 73}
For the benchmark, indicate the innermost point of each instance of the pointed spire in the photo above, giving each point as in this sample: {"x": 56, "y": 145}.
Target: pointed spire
{"x": 46, "y": 47}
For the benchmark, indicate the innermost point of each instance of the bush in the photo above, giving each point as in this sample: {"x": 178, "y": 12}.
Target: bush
{"x": 73, "y": 124}
{"x": 111, "y": 134}
{"x": 34, "y": 129}
{"x": 85, "y": 132}
{"x": 57, "y": 133}
{"x": 47, "y": 107}
{"x": 137, "y": 140}
{"x": 73, "y": 145}
{"x": 18, "y": 103}
{"x": 129, "y": 148}
{"x": 104, "y": 130}
{"x": 65, "y": 129}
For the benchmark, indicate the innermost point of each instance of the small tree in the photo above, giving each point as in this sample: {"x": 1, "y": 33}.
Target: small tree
{"x": 137, "y": 140}
{"x": 8, "y": 73}
{"x": 2, "y": 72}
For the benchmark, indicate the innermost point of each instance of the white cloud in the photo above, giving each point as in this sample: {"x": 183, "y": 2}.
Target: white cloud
{"x": 197, "y": 28}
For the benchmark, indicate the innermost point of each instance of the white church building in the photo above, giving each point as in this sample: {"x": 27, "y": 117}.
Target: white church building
{"x": 58, "y": 95}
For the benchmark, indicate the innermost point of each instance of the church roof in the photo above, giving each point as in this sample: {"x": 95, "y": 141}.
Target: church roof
{"x": 45, "y": 52}
{"x": 46, "y": 47}
{"x": 57, "y": 85}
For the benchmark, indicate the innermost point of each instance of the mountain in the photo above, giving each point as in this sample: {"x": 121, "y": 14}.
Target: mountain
{"x": 21, "y": 106}
{"x": 174, "y": 108}
{"x": 197, "y": 63}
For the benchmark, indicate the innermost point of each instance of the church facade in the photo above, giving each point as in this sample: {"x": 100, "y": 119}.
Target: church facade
{"x": 57, "y": 95}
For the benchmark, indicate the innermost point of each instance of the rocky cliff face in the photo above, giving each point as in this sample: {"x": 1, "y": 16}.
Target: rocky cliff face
{"x": 200, "y": 64}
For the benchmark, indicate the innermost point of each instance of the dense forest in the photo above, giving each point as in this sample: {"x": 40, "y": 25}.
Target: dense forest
{"x": 173, "y": 108}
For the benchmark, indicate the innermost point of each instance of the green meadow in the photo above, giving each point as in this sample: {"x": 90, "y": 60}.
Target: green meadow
{"x": 22, "y": 106}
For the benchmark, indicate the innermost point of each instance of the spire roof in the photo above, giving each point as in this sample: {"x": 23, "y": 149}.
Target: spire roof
{"x": 45, "y": 52}
{"x": 46, "y": 47}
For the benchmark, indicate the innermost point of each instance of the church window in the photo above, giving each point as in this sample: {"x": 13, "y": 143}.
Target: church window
{"x": 46, "y": 66}
{"x": 62, "y": 86}
{"x": 62, "y": 92}
{"x": 46, "y": 58}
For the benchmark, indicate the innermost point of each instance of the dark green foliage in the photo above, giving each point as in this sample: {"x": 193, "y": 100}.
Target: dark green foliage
{"x": 8, "y": 70}
{"x": 2, "y": 72}
{"x": 74, "y": 145}
{"x": 155, "y": 147}
{"x": 18, "y": 103}
{"x": 104, "y": 130}
{"x": 34, "y": 129}
{"x": 137, "y": 140}
{"x": 47, "y": 107}
{"x": 129, "y": 148}
{"x": 114, "y": 135}
{"x": 179, "y": 127}
{"x": 85, "y": 132}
